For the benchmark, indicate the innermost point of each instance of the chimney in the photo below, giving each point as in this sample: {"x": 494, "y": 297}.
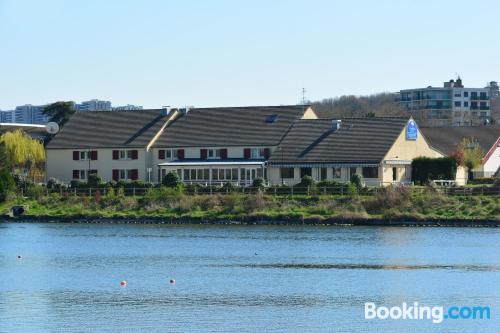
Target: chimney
{"x": 458, "y": 83}
{"x": 165, "y": 110}
{"x": 336, "y": 124}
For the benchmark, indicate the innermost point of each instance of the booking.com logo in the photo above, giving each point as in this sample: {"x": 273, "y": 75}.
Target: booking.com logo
{"x": 416, "y": 311}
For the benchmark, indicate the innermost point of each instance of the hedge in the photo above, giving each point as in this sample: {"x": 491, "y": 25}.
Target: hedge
{"x": 425, "y": 169}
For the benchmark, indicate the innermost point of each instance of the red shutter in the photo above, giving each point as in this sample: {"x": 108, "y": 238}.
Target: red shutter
{"x": 93, "y": 155}
{"x": 180, "y": 154}
{"x": 203, "y": 154}
{"x": 223, "y": 153}
{"x": 76, "y": 155}
{"x": 267, "y": 153}
{"x": 247, "y": 153}
{"x": 161, "y": 154}
{"x": 76, "y": 174}
{"x": 134, "y": 174}
{"x": 116, "y": 174}
{"x": 135, "y": 154}
{"x": 116, "y": 154}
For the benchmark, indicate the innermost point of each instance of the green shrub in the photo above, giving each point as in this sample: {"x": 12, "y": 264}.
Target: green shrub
{"x": 357, "y": 181}
{"x": 259, "y": 183}
{"x": 138, "y": 184}
{"x": 55, "y": 184}
{"x": 171, "y": 179}
{"x": 36, "y": 191}
{"x": 163, "y": 197}
{"x": 352, "y": 189}
{"x": 227, "y": 188}
{"x": 7, "y": 185}
{"x": 306, "y": 181}
{"x": 77, "y": 184}
{"x": 425, "y": 169}
{"x": 94, "y": 180}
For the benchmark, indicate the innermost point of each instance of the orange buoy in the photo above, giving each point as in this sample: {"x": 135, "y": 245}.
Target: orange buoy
{"x": 123, "y": 283}
{"x": 172, "y": 281}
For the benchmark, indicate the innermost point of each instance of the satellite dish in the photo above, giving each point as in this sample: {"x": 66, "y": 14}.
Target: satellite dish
{"x": 52, "y": 128}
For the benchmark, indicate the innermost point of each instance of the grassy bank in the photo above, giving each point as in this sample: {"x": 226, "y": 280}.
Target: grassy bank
{"x": 167, "y": 203}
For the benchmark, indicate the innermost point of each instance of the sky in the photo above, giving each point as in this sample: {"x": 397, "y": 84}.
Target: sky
{"x": 230, "y": 53}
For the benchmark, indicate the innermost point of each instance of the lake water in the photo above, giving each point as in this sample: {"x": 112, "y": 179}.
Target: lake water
{"x": 241, "y": 278}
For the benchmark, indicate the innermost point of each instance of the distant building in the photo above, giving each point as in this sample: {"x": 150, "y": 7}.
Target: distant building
{"x": 94, "y": 105}
{"x": 29, "y": 114}
{"x": 128, "y": 107}
{"x": 452, "y": 104}
{"x": 6, "y": 116}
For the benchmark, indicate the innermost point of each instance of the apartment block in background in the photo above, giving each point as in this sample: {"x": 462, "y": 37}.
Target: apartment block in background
{"x": 450, "y": 105}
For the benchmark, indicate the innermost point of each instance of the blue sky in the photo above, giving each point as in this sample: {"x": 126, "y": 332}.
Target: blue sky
{"x": 222, "y": 53}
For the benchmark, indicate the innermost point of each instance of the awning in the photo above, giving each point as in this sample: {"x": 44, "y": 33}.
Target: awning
{"x": 323, "y": 165}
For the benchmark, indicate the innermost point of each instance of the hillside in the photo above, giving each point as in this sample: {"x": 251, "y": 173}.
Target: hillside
{"x": 383, "y": 104}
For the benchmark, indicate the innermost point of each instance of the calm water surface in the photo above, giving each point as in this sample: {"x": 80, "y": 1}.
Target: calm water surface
{"x": 240, "y": 278}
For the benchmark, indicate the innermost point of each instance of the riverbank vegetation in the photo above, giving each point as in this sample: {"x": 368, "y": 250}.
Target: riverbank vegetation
{"x": 175, "y": 203}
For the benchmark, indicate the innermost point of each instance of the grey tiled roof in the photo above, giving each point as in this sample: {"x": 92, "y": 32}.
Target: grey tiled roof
{"x": 108, "y": 129}
{"x": 446, "y": 139}
{"x": 359, "y": 140}
{"x": 230, "y": 126}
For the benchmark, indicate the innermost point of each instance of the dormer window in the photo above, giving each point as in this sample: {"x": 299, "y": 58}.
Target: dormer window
{"x": 271, "y": 118}
{"x": 257, "y": 153}
{"x": 214, "y": 153}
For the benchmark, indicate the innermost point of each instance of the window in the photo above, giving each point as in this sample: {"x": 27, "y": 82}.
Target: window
{"x": 352, "y": 171}
{"x": 466, "y": 104}
{"x": 323, "y": 173}
{"x": 370, "y": 172}
{"x": 83, "y": 174}
{"x": 337, "y": 173}
{"x": 466, "y": 94}
{"x": 126, "y": 154}
{"x": 168, "y": 153}
{"x": 271, "y": 118}
{"x": 257, "y": 152}
{"x": 458, "y": 104}
{"x": 213, "y": 153}
{"x": 458, "y": 94}
{"x": 305, "y": 172}
{"x": 288, "y": 173}
{"x": 84, "y": 155}
{"x": 483, "y": 95}
{"x": 224, "y": 174}
{"x": 394, "y": 174}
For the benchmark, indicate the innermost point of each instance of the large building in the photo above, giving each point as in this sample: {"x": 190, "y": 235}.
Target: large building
{"x": 450, "y": 105}
{"x": 237, "y": 145}
{"x": 30, "y": 114}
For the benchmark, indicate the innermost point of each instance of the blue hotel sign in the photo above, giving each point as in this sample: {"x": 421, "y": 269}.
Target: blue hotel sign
{"x": 411, "y": 130}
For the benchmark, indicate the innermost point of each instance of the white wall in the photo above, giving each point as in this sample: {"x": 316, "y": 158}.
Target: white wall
{"x": 493, "y": 162}
{"x": 60, "y": 164}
